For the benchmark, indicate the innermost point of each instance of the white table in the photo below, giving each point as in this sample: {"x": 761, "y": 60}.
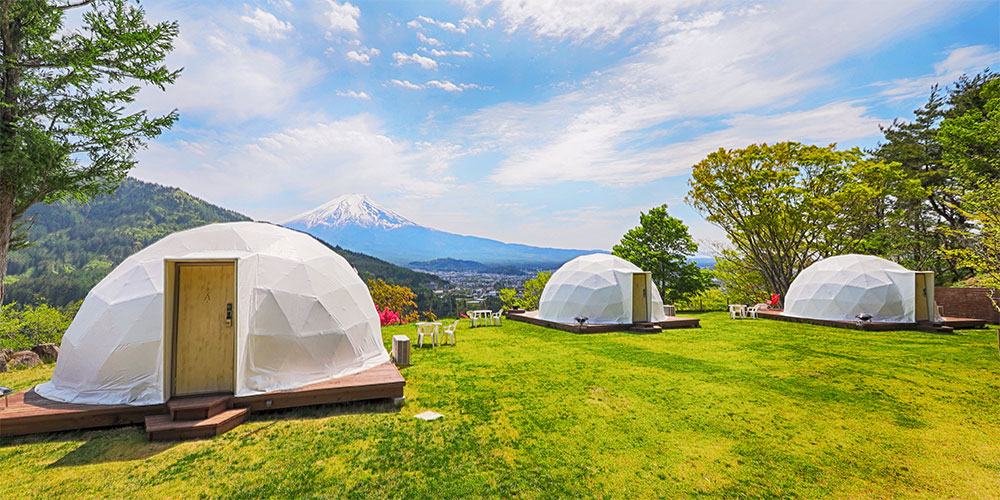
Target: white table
{"x": 481, "y": 314}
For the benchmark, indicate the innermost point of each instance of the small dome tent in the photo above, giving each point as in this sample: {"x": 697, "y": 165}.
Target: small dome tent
{"x": 840, "y": 288}
{"x": 600, "y": 287}
{"x": 240, "y": 307}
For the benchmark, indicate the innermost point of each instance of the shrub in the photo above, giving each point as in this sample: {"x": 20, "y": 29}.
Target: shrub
{"x": 23, "y": 326}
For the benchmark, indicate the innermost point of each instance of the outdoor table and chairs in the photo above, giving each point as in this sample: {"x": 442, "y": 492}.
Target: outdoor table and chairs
{"x": 742, "y": 311}
{"x": 480, "y": 317}
{"x": 426, "y": 328}
{"x": 737, "y": 311}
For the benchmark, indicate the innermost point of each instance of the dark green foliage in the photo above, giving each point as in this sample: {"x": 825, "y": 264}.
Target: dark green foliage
{"x": 76, "y": 244}
{"x": 24, "y": 326}
{"x": 662, "y": 245}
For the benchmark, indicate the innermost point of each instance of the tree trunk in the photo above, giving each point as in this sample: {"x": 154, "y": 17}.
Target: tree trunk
{"x": 6, "y": 229}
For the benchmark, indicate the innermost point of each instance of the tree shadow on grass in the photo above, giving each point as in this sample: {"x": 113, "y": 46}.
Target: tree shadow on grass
{"x": 123, "y": 444}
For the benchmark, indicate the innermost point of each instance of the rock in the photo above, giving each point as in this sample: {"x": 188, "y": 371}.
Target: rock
{"x": 48, "y": 352}
{"x": 3, "y": 362}
{"x": 7, "y": 352}
{"x": 24, "y": 359}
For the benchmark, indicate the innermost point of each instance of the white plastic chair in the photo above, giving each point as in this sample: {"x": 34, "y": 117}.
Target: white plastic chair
{"x": 752, "y": 312}
{"x": 498, "y": 317}
{"x": 450, "y": 331}
{"x": 736, "y": 310}
{"x": 429, "y": 330}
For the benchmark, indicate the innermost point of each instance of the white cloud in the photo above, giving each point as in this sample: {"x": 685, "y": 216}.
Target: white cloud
{"x": 463, "y": 26}
{"x": 267, "y": 25}
{"x": 228, "y": 80}
{"x": 362, "y": 55}
{"x": 440, "y": 84}
{"x": 963, "y": 60}
{"x": 354, "y": 95}
{"x": 581, "y": 20}
{"x": 311, "y": 163}
{"x": 341, "y": 17}
{"x": 406, "y": 84}
{"x": 443, "y": 24}
{"x": 742, "y": 65}
{"x": 428, "y": 40}
{"x": 424, "y": 62}
{"x": 446, "y": 53}
{"x": 452, "y": 87}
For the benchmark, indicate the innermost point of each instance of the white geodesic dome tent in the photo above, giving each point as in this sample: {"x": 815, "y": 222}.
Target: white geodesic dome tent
{"x": 840, "y": 288}
{"x": 598, "y": 287}
{"x": 302, "y": 315}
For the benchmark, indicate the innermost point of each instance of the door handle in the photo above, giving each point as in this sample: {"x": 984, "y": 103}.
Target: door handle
{"x": 229, "y": 314}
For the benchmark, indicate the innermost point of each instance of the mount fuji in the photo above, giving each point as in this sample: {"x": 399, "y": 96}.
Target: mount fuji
{"x": 357, "y": 223}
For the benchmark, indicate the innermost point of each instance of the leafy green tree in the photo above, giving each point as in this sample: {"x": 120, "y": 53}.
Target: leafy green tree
{"x": 661, "y": 244}
{"x": 920, "y": 223}
{"x": 529, "y": 299}
{"x": 971, "y": 150}
{"x": 785, "y": 206}
{"x": 66, "y": 130}
{"x": 739, "y": 280}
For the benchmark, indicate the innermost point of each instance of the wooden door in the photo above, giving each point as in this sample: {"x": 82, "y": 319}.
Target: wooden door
{"x": 640, "y": 298}
{"x": 203, "y": 334}
{"x": 922, "y": 311}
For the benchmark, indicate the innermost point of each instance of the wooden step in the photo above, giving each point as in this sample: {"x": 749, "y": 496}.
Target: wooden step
{"x": 163, "y": 428}
{"x": 646, "y": 328}
{"x": 199, "y": 407}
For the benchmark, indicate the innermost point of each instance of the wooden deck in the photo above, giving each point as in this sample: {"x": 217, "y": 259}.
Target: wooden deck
{"x": 30, "y": 413}
{"x": 945, "y": 326}
{"x": 532, "y": 318}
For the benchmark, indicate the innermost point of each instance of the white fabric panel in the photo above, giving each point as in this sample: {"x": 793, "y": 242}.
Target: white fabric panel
{"x": 839, "y": 288}
{"x": 598, "y": 286}
{"x": 302, "y": 316}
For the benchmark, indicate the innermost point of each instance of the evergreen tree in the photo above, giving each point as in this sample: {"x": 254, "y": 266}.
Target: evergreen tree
{"x": 64, "y": 128}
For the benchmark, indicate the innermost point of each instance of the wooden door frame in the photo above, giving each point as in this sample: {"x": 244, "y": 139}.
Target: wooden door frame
{"x": 928, "y": 295}
{"x": 171, "y": 269}
{"x": 648, "y": 276}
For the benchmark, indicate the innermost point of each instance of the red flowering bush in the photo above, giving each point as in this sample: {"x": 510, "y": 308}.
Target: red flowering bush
{"x": 387, "y": 317}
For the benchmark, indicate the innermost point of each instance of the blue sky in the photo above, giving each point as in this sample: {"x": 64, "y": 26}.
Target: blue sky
{"x": 549, "y": 123}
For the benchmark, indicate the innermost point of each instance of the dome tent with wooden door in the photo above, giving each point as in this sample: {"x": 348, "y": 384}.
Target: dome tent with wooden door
{"x": 244, "y": 307}
{"x": 603, "y": 288}
{"x": 843, "y": 287}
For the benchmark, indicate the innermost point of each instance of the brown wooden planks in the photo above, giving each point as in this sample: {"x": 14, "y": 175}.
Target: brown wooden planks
{"x": 531, "y": 317}
{"x": 956, "y": 323}
{"x": 30, "y": 413}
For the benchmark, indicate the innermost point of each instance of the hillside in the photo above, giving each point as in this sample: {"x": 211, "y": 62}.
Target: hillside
{"x": 76, "y": 245}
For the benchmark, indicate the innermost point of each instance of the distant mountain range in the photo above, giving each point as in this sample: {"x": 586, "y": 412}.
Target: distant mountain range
{"x": 355, "y": 222}
{"x": 75, "y": 245}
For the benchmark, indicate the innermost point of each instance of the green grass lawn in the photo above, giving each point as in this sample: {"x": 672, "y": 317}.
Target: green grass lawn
{"x": 736, "y": 409}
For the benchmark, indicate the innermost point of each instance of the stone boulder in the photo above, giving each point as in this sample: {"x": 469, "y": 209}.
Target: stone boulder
{"x": 48, "y": 352}
{"x": 23, "y": 359}
{"x": 3, "y": 362}
{"x": 7, "y": 352}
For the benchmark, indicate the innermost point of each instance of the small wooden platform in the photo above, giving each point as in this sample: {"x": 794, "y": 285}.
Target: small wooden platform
{"x": 30, "y": 413}
{"x": 945, "y": 326}
{"x": 671, "y": 322}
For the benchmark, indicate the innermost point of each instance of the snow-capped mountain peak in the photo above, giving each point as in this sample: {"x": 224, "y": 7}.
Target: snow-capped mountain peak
{"x": 350, "y": 210}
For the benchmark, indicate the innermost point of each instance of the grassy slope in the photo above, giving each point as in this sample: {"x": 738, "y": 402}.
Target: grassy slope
{"x": 735, "y": 409}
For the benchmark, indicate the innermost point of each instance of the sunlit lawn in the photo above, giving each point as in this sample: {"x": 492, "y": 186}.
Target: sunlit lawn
{"x": 734, "y": 409}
